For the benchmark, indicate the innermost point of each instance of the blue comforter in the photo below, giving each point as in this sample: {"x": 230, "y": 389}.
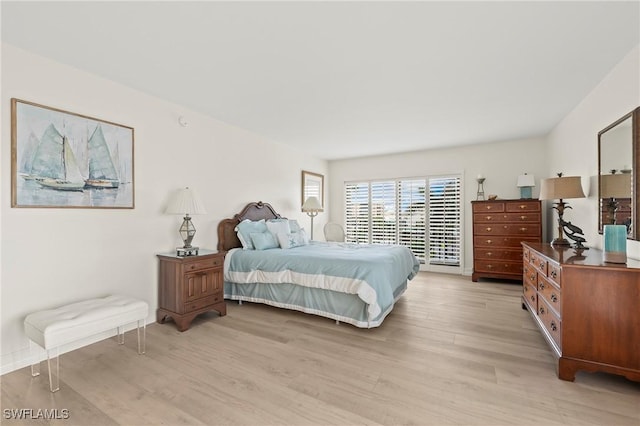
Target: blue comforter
{"x": 371, "y": 271}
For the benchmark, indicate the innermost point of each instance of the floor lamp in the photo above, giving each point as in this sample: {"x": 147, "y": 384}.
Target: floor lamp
{"x": 312, "y": 207}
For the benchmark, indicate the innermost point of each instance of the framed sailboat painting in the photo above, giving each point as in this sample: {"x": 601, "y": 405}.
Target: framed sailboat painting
{"x": 68, "y": 160}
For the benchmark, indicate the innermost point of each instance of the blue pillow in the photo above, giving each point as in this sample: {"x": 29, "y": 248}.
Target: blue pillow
{"x": 263, "y": 240}
{"x": 246, "y": 228}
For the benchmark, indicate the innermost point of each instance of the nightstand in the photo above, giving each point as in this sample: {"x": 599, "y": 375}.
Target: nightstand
{"x": 189, "y": 286}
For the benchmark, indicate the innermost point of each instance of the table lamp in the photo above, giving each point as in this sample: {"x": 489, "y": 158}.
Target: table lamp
{"x": 560, "y": 188}
{"x": 525, "y": 183}
{"x": 186, "y": 201}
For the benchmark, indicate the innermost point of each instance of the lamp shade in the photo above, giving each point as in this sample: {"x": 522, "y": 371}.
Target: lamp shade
{"x": 526, "y": 180}
{"x": 615, "y": 186}
{"x": 561, "y": 188}
{"x": 185, "y": 201}
{"x": 312, "y": 204}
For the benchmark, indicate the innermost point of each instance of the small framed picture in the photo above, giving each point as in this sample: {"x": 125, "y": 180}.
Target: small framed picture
{"x": 312, "y": 186}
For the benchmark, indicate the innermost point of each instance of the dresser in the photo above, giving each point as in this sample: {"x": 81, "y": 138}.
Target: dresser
{"x": 587, "y": 310}
{"x": 189, "y": 286}
{"x": 498, "y": 228}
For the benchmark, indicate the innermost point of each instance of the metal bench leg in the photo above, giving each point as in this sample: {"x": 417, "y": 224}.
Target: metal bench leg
{"x": 120, "y": 337}
{"x": 35, "y": 366}
{"x": 142, "y": 342}
{"x": 54, "y": 376}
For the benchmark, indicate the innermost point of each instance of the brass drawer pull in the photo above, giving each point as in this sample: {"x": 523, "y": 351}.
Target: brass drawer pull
{"x": 523, "y": 229}
{"x": 541, "y": 310}
{"x": 541, "y": 286}
{"x": 488, "y": 217}
{"x": 489, "y": 254}
{"x": 488, "y": 207}
{"x": 489, "y": 241}
{"x": 488, "y": 229}
{"x": 489, "y": 266}
{"x": 553, "y": 326}
{"x": 523, "y": 217}
{"x": 532, "y": 277}
{"x": 553, "y": 274}
{"x": 522, "y": 207}
{"x": 554, "y": 298}
{"x": 542, "y": 264}
{"x": 533, "y": 298}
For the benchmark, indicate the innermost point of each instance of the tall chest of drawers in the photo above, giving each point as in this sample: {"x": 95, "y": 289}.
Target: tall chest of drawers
{"x": 499, "y": 226}
{"x": 585, "y": 309}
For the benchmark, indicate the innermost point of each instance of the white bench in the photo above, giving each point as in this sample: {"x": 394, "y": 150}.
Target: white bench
{"x": 53, "y": 328}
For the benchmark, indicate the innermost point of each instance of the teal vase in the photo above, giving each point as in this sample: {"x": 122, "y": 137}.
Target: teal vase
{"x": 615, "y": 243}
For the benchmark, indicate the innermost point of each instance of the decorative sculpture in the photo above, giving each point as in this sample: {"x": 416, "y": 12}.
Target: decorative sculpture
{"x": 574, "y": 233}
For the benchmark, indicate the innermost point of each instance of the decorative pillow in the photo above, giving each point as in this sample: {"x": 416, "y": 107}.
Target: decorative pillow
{"x": 290, "y": 240}
{"x": 244, "y": 230}
{"x": 263, "y": 240}
{"x": 277, "y": 226}
{"x": 303, "y": 236}
{"x": 294, "y": 225}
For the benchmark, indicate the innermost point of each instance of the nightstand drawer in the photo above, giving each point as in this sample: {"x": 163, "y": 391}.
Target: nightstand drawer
{"x": 203, "y": 264}
{"x": 202, "y": 303}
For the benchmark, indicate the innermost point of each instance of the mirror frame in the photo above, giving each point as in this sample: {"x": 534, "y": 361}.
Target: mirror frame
{"x": 635, "y": 163}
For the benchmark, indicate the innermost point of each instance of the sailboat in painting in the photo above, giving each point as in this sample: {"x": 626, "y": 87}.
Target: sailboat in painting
{"x": 102, "y": 172}
{"x": 54, "y": 164}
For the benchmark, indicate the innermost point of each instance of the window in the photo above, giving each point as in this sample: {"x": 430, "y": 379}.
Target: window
{"x": 423, "y": 214}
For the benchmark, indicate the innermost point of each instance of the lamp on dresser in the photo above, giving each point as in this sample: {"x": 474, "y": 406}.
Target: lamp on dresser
{"x": 185, "y": 202}
{"x": 525, "y": 183}
{"x": 561, "y": 188}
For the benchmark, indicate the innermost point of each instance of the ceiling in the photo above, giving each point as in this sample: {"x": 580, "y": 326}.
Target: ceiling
{"x": 346, "y": 79}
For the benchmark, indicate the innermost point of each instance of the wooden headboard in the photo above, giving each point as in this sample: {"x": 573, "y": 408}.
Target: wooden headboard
{"x": 227, "y": 238}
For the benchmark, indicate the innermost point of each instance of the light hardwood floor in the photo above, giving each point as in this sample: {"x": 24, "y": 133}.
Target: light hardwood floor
{"x": 451, "y": 352}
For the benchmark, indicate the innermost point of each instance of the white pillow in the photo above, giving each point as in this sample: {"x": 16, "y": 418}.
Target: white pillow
{"x": 294, "y": 225}
{"x": 277, "y": 227}
{"x": 290, "y": 240}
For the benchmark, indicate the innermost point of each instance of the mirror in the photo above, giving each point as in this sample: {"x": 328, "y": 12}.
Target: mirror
{"x": 618, "y": 176}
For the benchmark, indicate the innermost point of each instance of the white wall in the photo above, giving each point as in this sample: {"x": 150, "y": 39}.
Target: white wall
{"x": 500, "y": 163}
{"x": 55, "y": 256}
{"x": 573, "y": 143}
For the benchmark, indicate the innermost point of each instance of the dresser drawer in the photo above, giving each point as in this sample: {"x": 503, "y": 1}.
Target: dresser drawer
{"x": 203, "y": 264}
{"x": 507, "y": 217}
{"x": 508, "y": 229}
{"x": 497, "y": 254}
{"x": 500, "y": 241}
{"x": 530, "y": 296}
{"x": 540, "y": 263}
{"x": 523, "y": 206}
{"x": 488, "y": 207}
{"x": 550, "y": 320}
{"x": 202, "y": 303}
{"x": 498, "y": 267}
{"x": 530, "y": 275}
{"x": 553, "y": 274}
{"x": 551, "y": 294}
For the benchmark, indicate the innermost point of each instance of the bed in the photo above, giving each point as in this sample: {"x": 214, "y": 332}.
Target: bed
{"x": 353, "y": 283}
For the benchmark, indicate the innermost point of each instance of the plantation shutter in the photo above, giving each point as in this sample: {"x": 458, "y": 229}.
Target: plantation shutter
{"x": 444, "y": 221}
{"x": 412, "y": 216}
{"x": 383, "y": 212}
{"x": 357, "y": 212}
